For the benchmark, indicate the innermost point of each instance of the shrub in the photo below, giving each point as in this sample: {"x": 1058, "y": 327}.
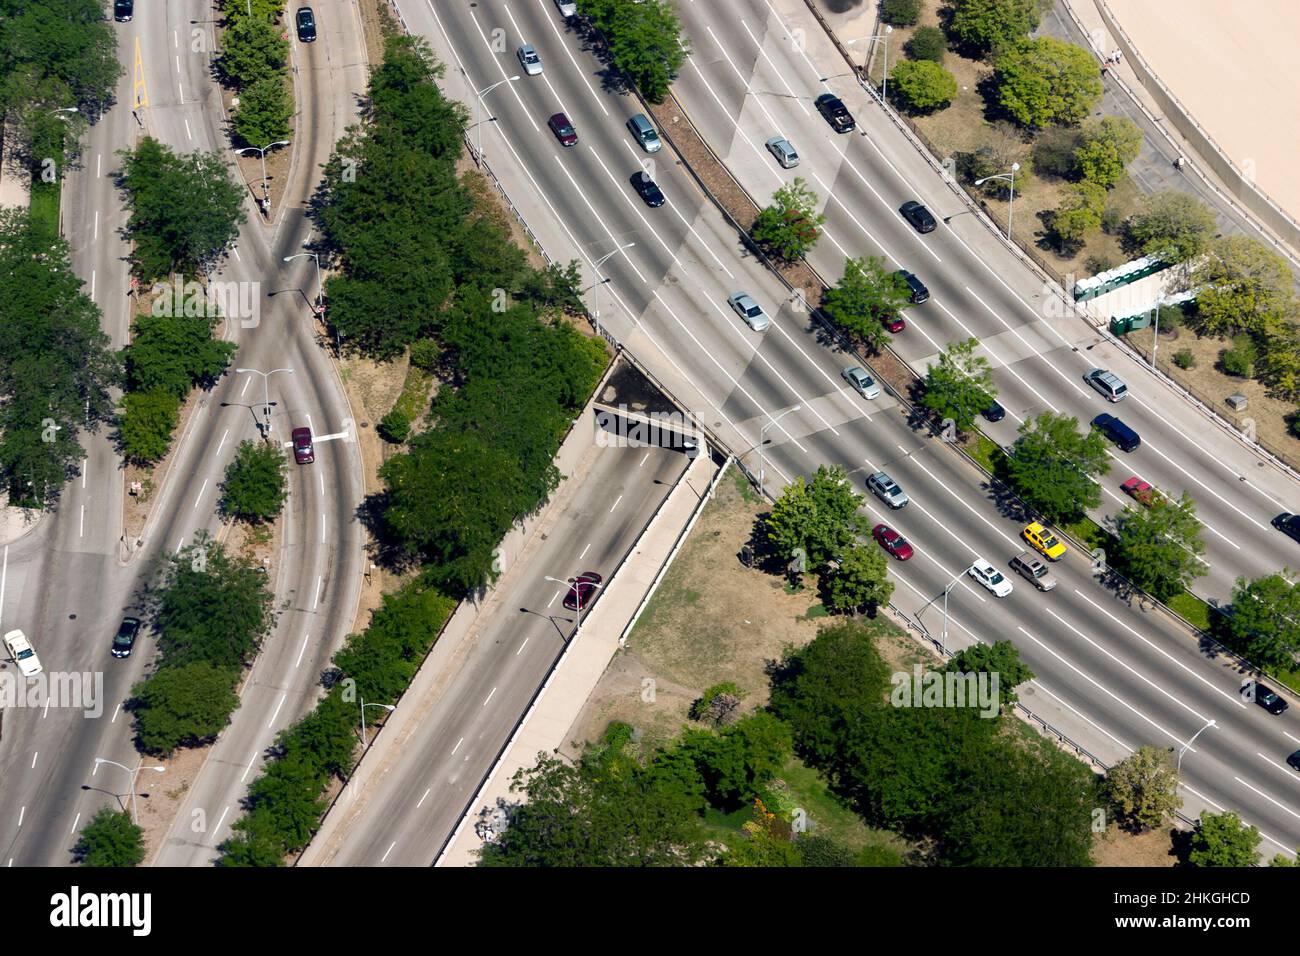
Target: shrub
{"x": 110, "y": 839}
{"x": 146, "y": 425}
{"x": 1184, "y": 359}
{"x": 1241, "y": 358}
{"x": 425, "y": 354}
{"x": 255, "y": 485}
{"x": 927, "y": 43}
{"x": 923, "y": 86}
{"x": 901, "y": 13}
{"x": 395, "y": 427}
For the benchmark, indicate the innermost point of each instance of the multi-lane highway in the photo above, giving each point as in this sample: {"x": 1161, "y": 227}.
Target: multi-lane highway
{"x": 417, "y": 800}
{"x": 1114, "y": 676}
{"x": 69, "y": 582}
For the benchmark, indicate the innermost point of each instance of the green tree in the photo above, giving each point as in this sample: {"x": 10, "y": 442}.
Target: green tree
{"x": 960, "y": 385}
{"x": 1283, "y": 860}
{"x": 1221, "y": 839}
{"x": 985, "y": 26}
{"x": 253, "y": 50}
{"x": 56, "y": 53}
{"x": 1142, "y": 789}
{"x": 1078, "y": 215}
{"x": 868, "y": 293}
{"x": 264, "y": 111}
{"x": 407, "y": 105}
{"x": 927, "y": 43}
{"x": 644, "y": 39}
{"x": 183, "y": 706}
{"x": 819, "y": 518}
{"x": 788, "y": 228}
{"x": 252, "y": 842}
{"x": 1174, "y": 225}
{"x": 999, "y": 658}
{"x": 1109, "y": 145}
{"x": 861, "y": 581}
{"x": 1052, "y": 466}
{"x": 736, "y": 762}
{"x": 836, "y": 681}
{"x": 922, "y": 86}
{"x": 1264, "y": 624}
{"x": 607, "y": 810}
{"x": 900, "y": 13}
{"x": 172, "y": 352}
{"x": 255, "y": 485}
{"x": 55, "y": 364}
{"x": 110, "y": 839}
{"x": 212, "y": 607}
{"x": 185, "y": 210}
{"x": 146, "y": 424}
{"x": 1160, "y": 546}
{"x": 1242, "y": 286}
{"x": 1044, "y": 81}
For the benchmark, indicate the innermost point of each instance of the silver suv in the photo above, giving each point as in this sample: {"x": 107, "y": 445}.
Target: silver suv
{"x": 1033, "y": 568}
{"x": 1107, "y": 383}
{"x": 887, "y": 490}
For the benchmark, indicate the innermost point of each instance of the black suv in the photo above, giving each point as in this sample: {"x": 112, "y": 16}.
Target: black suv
{"x": 918, "y": 216}
{"x": 1288, "y": 524}
{"x": 125, "y": 638}
{"x": 123, "y": 10}
{"x": 919, "y": 292}
{"x": 836, "y": 113}
{"x": 306, "y": 25}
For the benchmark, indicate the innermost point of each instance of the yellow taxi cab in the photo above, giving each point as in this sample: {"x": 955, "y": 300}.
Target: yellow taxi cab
{"x": 1044, "y": 542}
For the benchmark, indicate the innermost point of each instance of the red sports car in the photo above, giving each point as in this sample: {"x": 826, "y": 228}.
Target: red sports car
{"x": 582, "y": 590}
{"x": 892, "y": 541}
{"x": 1140, "y": 490}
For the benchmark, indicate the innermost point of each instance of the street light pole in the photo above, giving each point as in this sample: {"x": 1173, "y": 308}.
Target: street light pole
{"x": 762, "y": 432}
{"x": 266, "y": 186}
{"x": 266, "y": 393}
{"x": 1189, "y": 743}
{"x": 478, "y": 100}
{"x": 943, "y": 639}
{"x": 596, "y": 268}
{"x": 578, "y": 603}
{"x": 1011, "y": 200}
{"x": 320, "y": 292}
{"x": 1155, "y": 339}
{"x": 133, "y": 774}
{"x": 362, "y": 720}
{"x": 877, "y": 38}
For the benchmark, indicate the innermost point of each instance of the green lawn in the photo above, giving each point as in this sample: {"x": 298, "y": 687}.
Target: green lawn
{"x": 44, "y": 210}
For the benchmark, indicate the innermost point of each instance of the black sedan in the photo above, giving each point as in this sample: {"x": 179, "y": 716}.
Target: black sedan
{"x": 124, "y": 640}
{"x": 994, "y": 413}
{"x": 1270, "y": 700}
{"x": 1288, "y": 524}
{"x": 647, "y": 189}
{"x": 306, "y": 25}
{"x": 918, "y": 216}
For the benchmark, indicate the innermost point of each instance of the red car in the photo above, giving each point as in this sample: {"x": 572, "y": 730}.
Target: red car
{"x": 892, "y": 541}
{"x": 894, "y": 323}
{"x": 582, "y": 590}
{"x": 563, "y": 129}
{"x": 303, "y": 453}
{"x": 1140, "y": 490}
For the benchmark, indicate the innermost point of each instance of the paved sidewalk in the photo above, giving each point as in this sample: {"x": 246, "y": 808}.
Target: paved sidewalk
{"x": 16, "y": 522}
{"x": 546, "y": 726}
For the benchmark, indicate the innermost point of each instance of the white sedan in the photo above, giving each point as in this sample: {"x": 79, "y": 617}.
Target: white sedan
{"x": 989, "y": 576}
{"x": 20, "y": 649}
{"x": 749, "y": 310}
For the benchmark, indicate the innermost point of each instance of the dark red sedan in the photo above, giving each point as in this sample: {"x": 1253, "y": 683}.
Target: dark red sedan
{"x": 563, "y": 130}
{"x": 892, "y": 541}
{"x": 894, "y": 323}
{"x": 582, "y": 590}
{"x": 303, "y": 453}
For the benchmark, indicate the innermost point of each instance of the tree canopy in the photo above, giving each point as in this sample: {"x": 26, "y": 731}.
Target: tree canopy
{"x": 868, "y": 292}
{"x": 818, "y": 517}
{"x": 1052, "y": 466}
{"x": 1160, "y": 546}
{"x": 1044, "y": 81}
{"x": 959, "y": 385}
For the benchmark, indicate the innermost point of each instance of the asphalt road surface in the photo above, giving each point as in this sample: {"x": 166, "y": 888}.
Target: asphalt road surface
{"x": 1110, "y": 674}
